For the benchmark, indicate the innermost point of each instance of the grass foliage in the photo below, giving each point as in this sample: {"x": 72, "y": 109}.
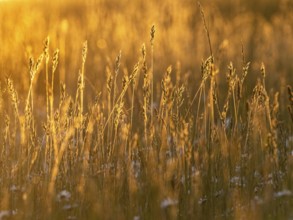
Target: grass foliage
{"x": 88, "y": 136}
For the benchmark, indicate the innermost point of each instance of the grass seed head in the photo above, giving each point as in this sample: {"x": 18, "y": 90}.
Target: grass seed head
{"x": 55, "y": 60}
{"x": 84, "y": 51}
{"x": 152, "y": 33}
{"x": 46, "y": 49}
{"x": 109, "y": 80}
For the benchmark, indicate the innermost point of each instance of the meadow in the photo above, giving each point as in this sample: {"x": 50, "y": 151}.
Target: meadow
{"x": 146, "y": 109}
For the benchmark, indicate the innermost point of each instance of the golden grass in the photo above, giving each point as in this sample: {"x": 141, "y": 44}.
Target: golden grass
{"x": 135, "y": 137}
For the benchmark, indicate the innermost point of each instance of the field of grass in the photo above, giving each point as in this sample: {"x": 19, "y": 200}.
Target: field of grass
{"x": 146, "y": 109}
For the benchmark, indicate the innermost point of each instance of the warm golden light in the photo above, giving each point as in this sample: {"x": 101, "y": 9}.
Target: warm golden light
{"x": 146, "y": 109}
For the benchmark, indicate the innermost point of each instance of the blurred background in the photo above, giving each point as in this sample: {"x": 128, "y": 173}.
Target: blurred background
{"x": 264, "y": 29}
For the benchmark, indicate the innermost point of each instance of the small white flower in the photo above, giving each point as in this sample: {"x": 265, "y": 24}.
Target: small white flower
{"x": 64, "y": 195}
{"x": 283, "y": 193}
{"x": 168, "y": 202}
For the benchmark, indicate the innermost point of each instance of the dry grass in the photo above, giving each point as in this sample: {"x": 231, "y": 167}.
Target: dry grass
{"x": 86, "y": 136}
